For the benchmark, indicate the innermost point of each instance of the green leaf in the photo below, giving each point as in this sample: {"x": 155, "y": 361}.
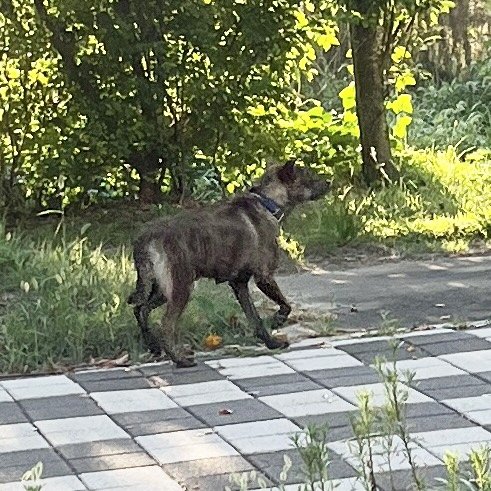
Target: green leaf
{"x": 257, "y": 111}
{"x": 401, "y": 104}
{"x": 400, "y": 53}
{"x": 400, "y": 128}
{"x": 347, "y": 96}
{"x": 403, "y": 80}
{"x": 301, "y": 19}
{"x": 317, "y": 112}
{"x": 13, "y": 72}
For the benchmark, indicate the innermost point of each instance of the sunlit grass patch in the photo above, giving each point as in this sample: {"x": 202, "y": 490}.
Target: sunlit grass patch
{"x": 442, "y": 202}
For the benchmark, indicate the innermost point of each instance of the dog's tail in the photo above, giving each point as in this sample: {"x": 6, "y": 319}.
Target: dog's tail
{"x": 145, "y": 278}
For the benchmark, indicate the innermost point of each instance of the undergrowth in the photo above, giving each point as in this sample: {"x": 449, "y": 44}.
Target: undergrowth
{"x": 65, "y": 302}
{"x": 441, "y": 203}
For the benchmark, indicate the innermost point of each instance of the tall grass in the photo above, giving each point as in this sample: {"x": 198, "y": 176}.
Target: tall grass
{"x": 66, "y": 302}
{"x": 443, "y": 202}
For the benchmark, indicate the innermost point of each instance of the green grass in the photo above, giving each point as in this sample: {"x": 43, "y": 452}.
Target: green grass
{"x": 442, "y": 203}
{"x": 65, "y": 303}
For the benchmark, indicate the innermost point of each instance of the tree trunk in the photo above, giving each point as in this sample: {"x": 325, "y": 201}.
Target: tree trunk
{"x": 149, "y": 167}
{"x": 368, "y": 64}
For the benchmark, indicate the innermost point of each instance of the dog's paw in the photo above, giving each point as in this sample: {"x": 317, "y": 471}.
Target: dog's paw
{"x": 277, "y": 343}
{"x": 278, "y": 320}
{"x": 186, "y": 363}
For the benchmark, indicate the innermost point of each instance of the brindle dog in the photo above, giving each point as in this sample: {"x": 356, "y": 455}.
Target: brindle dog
{"x": 231, "y": 241}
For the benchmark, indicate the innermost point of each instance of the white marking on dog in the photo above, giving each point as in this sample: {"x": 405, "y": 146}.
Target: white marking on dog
{"x": 161, "y": 269}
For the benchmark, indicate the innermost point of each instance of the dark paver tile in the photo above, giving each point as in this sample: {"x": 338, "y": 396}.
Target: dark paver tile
{"x": 486, "y": 376}
{"x": 14, "y": 464}
{"x": 98, "y": 375}
{"x": 220, "y": 481}
{"x": 277, "y": 384}
{"x": 96, "y": 449}
{"x": 402, "y": 480}
{"x": 438, "y": 338}
{"x": 438, "y": 422}
{"x": 458, "y": 346}
{"x": 446, "y": 382}
{"x": 273, "y": 463}
{"x": 170, "y": 375}
{"x": 385, "y": 351}
{"x": 60, "y": 407}
{"x": 333, "y": 420}
{"x": 242, "y": 411}
{"x": 115, "y": 384}
{"x": 158, "y": 421}
{"x": 426, "y": 409}
{"x": 465, "y": 391}
{"x": 344, "y": 377}
{"x": 207, "y": 467}
{"x": 109, "y": 462}
{"x": 376, "y": 346}
{"x": 10, "y": 412}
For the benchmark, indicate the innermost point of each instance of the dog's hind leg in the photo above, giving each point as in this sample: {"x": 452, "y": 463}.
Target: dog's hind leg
{"x": 142, "y": 312}
{"x": 271, "y": 289}
{"x": 167, "y": 334}
{"x": 241, "y": 292}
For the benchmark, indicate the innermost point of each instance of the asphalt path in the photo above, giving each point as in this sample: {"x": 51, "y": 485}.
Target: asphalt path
{"x": 415, "y": 292}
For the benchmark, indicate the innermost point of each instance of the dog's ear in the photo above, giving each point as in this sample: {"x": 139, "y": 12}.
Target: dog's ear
{"x": 288, "y": 172}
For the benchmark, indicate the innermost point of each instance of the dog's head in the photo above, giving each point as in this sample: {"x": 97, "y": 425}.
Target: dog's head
{"x": 290, "y": 184}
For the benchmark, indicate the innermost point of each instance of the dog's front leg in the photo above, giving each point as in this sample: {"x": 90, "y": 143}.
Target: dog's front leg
{"x": 271, "y": 289}
{"x": 241, "y": 292}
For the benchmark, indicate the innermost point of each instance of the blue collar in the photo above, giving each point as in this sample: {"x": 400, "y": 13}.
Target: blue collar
{"x": 271, "y": 205}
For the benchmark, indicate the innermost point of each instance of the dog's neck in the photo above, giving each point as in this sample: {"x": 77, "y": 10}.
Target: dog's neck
{"x": 269, "y": 203}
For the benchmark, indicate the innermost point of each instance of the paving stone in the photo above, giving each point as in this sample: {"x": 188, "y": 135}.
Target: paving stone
{"x": 10, "y": 412}
{"x": 4, "y": 396}
{"x": 60, "y": 407}
{"x": 60, "y": 483}
{"x": 448, "y": 382}
{"x": 208, "y": 467}
{"x": 104, "y": 374}
{"x": 486, "y": 376}
{"x": 20, "y": 436}
{"x": 127, "y": 401}
{"x": 484, "y": 332}
{"x": 98, "y": 448}
{"x": 262, "y": 366}
{"x": 462, "y": 450}
{"x": 398, "y": 458}
{"x": 403, "y": 480}
{"x": 160, "y": 421}
{"x": 13, "y": 465}
{"x": 183, "y": 446}
{"x": 259, "y": 436}
{"x": 80, "y": 430}
{"x": 34, "y": 387}
{"x": 168, "y": 374}
{"x": 438, "y": 422}
{"x": 309, "y": 402}
{"x": 220, "y": 481}
{"x": 470, "y": 361}
{"x": 425, "y": 368}
{"x": 376, "y": 345}
{"x": 481, "y": 417}
{"x": 320, "y": 359}
{"x": 452, "y": 436}
{"x": 466, "y": 404}
{"x": 383, "y": 350}
{"x": 378, "y": 394}
{"x": 465, "y": 391}
{"x": 463, "y": 345}
{"x": 108, "y": 462}
{"x": 437, "y": 338}
{"x": 272, "y": 464}
{"x": 241, "y": 412}
{"x": 150, "y": 478}
{"x": 279, "y": 384}
{"x": 427, "y": 409}
{"x": 338, "y": 377}
{"x": 332, "y": 420}
{"x": 119, "y": 383}
{"x": 205, "y": 393}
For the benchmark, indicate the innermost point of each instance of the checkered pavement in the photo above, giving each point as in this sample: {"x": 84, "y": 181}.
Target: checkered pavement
{"x": 157, "y": 428}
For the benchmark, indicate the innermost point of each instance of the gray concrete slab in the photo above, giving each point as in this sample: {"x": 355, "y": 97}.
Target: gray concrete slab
{"x": 414, "y": 292}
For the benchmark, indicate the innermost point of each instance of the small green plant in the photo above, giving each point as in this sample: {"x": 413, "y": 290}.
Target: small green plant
{"x": 31, "y": 478}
